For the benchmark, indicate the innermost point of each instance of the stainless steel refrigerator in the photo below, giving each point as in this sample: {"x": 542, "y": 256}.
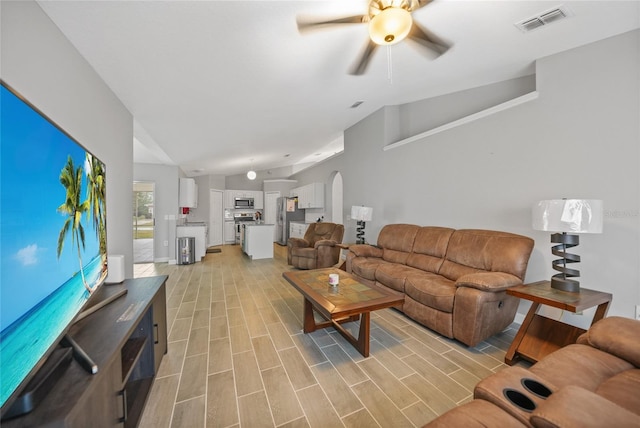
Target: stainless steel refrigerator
{"x": 287, "y": 211}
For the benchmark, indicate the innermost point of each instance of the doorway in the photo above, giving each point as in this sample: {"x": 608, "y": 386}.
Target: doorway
{"x": 215, "y": 217}
{"x": 143, "y": 221}
{"x": 337, "y": 199}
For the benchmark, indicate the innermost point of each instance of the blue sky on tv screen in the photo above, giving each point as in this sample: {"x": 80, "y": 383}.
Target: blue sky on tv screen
{"x": 33, "y": 153}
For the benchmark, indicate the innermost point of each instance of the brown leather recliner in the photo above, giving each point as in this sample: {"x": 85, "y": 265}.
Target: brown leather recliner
{"x": 318, "y": 247}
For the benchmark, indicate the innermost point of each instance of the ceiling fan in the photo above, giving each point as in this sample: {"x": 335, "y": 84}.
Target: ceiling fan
{"x": 390, "y": 22}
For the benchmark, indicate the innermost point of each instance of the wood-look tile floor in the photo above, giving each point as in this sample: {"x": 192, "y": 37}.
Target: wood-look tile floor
{"x": 238, "y": 358}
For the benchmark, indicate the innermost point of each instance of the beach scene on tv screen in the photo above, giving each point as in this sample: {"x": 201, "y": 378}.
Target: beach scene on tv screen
{"x": 52, "y": 236}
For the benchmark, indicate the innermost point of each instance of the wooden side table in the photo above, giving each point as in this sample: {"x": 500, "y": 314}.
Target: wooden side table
{"x": 538, "y": 335}
{"x": 342, "y": 264}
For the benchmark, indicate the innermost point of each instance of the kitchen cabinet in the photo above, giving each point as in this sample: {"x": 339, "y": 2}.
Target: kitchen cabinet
{"x": 297, "y": 229}
{"x": 200, "y": 233}
{"x": 257, "y": 241}
{"x": 309, "y": 196}
{"x": 258, "y": 200}
{"x": 229, "y": 196}
{"x": 229, "y": 232}
{"x": 188, "y": 196}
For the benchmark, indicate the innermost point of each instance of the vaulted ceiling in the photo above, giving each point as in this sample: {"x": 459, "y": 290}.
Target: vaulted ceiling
{"x": 217, "y": 87}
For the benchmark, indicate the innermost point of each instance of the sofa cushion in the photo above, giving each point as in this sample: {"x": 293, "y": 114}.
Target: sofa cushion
{"x": 432, "y": 290}
{"x": 393, "y": 275}
{"x": 475, "y": 414}
{"x": 473, "y": 250}
{"x": 579, "y": 365}
{"x": 397, "y": 241}
{"x": 617, "y": 336}
{"x": 573, "y": 406}
{"x": 429, "y": 248}
{"x": 365, "y": 267}
{"x": 623, "y": 389}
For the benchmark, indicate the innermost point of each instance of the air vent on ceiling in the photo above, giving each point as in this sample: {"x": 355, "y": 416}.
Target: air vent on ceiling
{"x": 542, "y": 19}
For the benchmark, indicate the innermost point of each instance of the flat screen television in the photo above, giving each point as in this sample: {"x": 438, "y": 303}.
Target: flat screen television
{"x": 53, "y": 249}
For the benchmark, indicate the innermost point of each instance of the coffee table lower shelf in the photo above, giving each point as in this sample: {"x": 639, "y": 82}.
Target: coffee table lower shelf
{"x": 361, "y": 343}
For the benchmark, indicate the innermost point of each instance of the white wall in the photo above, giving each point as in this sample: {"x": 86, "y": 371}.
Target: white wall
{"x": 41, "y": 64}
{"x": 579, "y": 139}
{"x": 166, "y": 179}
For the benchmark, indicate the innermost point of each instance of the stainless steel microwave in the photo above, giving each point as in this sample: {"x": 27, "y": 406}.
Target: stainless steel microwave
{"x": 243, "y": 203}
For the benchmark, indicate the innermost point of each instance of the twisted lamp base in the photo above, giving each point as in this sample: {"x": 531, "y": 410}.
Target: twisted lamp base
{"x": 562, "y": 281}
{"x": 360, "y": 232}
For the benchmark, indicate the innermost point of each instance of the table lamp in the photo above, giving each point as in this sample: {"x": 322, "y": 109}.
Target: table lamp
{"x": 362, "y": 215}
{"x": 567, "y": 217}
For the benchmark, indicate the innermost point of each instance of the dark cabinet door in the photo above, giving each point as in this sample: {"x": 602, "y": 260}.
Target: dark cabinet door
{"x": 159, "y": 305}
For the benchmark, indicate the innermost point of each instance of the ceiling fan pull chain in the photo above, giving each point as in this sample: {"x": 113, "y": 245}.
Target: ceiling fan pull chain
{"x": 389, "y": 66}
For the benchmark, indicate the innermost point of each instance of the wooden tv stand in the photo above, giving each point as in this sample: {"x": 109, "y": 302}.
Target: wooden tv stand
{"x": 126, "y": 339}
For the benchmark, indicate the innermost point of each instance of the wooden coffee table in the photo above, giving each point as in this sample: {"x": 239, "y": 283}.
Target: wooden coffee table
{"x": 349, "y": 301}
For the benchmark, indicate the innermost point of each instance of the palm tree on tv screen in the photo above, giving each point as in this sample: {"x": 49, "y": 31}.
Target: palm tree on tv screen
{"x": 71, "y": 180}
{"x": 96, "y": 196}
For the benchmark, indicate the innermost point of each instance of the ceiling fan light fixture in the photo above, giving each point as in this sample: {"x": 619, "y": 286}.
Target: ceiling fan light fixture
{"x": 390, "y": 26}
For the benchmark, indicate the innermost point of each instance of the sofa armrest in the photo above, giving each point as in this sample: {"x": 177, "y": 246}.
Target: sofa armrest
{"x": 488, "y": 281}
{"x": 617, "y": 336}
{"x": 366, "y": 250}
{"x": 573, "y": 406}
{"x": 298, "y": 242}
{"x": 325, "y": 243}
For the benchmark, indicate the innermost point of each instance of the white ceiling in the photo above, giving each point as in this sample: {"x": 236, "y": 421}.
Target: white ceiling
{"x": 217, "y": 87}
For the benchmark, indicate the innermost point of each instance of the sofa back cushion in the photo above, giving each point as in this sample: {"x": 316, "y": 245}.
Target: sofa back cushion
{"x": 616, "y": 335}
{"x": 429, "y": 248}
{"x": 397, "y": 241}
{"x": 473, "y": 250}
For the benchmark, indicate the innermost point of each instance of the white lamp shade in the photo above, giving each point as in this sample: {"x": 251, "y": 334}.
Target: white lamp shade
{"x": 568, "y": 215}
{"x": 251, "y": 175}
{"x": 390, "y": 26}
{"x": 361, "y": 213}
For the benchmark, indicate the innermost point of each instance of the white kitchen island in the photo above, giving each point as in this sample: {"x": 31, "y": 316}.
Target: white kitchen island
{"x": 257, "y": 241}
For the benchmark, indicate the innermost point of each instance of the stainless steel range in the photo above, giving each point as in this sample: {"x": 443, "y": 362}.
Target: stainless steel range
{"x": 240, "y": 219}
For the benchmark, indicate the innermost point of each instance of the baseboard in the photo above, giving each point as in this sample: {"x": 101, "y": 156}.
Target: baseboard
{"x": 161, "y": 260}
{"x": 173, "y": 262}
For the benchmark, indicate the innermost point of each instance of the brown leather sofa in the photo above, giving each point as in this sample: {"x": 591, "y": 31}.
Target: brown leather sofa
{"x": 593, "y": 383}
{"x": 454, "y": 281}
{"x": 318, "y": 247}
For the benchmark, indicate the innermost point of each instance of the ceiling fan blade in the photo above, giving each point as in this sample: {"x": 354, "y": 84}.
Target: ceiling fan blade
{"x": 428, "y": 39}
{"x": 363, "y": 62}
{"x": 307, "y": 25}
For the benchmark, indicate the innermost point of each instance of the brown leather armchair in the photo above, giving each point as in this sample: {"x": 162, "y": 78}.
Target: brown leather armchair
{"x": 318, "y": 247}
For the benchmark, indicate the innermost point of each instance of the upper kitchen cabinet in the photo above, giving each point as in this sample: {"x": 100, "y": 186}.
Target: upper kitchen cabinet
{"x": 310, "y": 196}
{"x": 258, "y": 200}
{"x": 229, "y": 196}
{"x": 188, "y": 193}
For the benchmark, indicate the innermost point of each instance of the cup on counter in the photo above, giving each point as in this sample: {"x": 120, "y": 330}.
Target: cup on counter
{"x": 334, "y": 279}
